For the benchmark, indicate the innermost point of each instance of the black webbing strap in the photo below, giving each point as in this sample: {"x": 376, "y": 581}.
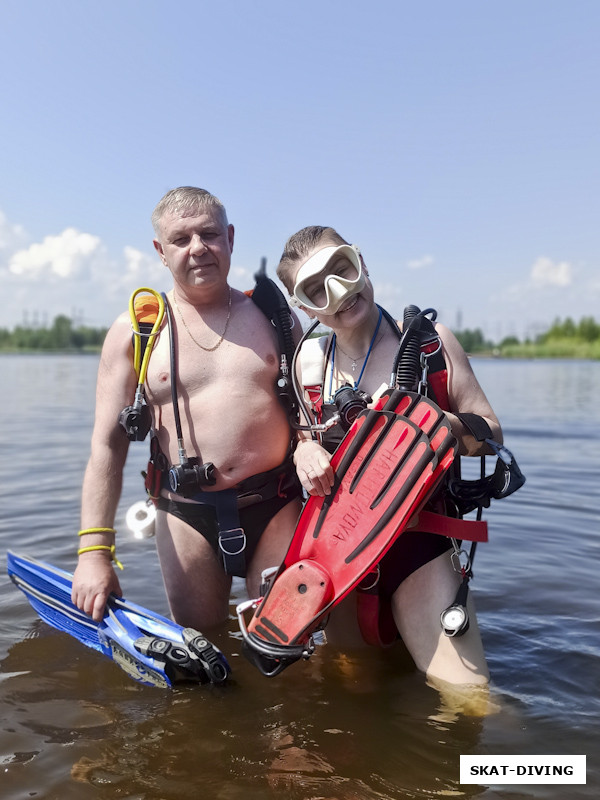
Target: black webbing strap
{"x": 232, "y": 538}
{"x": 477, "y": 426}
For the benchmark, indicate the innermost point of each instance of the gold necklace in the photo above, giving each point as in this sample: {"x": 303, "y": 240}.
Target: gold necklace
{"x": 194, "y": 340}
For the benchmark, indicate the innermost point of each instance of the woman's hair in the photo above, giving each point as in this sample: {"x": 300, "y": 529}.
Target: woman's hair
{"x": 299, "y": 246}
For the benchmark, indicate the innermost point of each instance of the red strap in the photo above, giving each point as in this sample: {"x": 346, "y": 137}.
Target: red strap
{"x": 153, "y": 481}
{"x": 439, "y": 384}
{"x": 470, "y": 530}
{"x": 375, "y": 618}
{"x": 315, "y": 394}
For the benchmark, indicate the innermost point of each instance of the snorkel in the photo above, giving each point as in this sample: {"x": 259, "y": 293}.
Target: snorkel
{"x": 334, "y": 288}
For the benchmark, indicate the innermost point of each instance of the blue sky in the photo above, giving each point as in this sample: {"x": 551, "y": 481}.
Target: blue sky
{"x": 457, "y": 143}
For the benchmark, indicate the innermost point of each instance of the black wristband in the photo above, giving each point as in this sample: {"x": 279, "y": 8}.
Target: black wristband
{"x": 477, "y": 426}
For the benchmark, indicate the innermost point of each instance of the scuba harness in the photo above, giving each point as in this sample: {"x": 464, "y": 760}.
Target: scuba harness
{"x": 411, "y": 368}
{"x": 189, "y": 477}
{"x": 419, "y": 366}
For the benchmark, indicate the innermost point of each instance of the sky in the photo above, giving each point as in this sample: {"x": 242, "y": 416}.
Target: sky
{"x": 456, "y": 143}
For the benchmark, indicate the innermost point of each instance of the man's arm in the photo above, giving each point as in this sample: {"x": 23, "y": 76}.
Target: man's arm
{"x": 466, "y": 396}
{"x": 95, "y": 577}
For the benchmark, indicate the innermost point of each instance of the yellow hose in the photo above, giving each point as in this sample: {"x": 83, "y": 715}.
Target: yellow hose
{"x": 142, "y": 368}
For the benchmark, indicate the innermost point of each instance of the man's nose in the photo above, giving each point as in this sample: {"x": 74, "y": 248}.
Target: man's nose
{"x": 197, "y": 245}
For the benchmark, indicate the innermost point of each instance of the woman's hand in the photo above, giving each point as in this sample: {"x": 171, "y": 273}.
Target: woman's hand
{"x": 314, "y": 468}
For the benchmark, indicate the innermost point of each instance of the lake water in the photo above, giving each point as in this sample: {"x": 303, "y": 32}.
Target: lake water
{"x": 361, "y": 725}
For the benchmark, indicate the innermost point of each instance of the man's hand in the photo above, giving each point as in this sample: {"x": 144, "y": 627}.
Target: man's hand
{"x": 93, "y": 581}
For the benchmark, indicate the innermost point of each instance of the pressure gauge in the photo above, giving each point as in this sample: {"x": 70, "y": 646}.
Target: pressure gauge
{"x": 454, "y": 620}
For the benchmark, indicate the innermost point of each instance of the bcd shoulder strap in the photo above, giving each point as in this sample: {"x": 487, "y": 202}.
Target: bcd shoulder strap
{"x": 270, "y": 300}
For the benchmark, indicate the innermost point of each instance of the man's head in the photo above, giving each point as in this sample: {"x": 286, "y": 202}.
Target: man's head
{"x": 193, "y": 237}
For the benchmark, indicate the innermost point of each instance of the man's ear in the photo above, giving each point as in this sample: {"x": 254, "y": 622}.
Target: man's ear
{"x": 159, "y": 249}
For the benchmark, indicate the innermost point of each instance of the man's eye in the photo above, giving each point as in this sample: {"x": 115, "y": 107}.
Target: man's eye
{"x": 181, "y": 241}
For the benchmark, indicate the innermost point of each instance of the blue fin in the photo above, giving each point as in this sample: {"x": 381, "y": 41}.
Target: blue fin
{"x": 150, "y": 648}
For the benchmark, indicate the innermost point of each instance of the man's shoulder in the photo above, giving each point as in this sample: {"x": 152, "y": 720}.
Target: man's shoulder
{"x": 119, "y": 335}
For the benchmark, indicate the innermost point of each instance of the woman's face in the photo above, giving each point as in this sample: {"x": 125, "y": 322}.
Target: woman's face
{"x": 351, "y": 297}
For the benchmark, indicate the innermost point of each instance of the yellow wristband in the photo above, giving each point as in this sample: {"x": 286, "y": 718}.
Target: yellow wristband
{"x": 96, "y": 530}
{"x": 110, "y": 547}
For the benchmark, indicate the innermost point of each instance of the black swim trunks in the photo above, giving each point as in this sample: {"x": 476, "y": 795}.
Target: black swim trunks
{"x": 411, "y": 550}
{"x": 260, "y": 498}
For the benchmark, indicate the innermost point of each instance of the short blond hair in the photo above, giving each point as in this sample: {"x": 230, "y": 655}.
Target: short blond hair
{"x": 186, "y": 201}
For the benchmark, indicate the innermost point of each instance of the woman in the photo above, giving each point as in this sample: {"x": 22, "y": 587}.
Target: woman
{"x": 328, "y": 279}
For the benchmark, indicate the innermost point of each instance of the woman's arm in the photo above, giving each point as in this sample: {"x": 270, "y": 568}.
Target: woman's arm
{"x": 466, "y": 396}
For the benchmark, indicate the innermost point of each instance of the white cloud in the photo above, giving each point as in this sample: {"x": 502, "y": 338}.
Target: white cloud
{"x": 63, "y": 256}
{"x": 420, "y": 263}
{"x": 137, "y": 263}
{"x": 71, "y": 272}
{"x": 545, "y": 272}
{"x": 11, "y": 236}
{"x": 141, "y": 266}
{"x": 241, "y": 278}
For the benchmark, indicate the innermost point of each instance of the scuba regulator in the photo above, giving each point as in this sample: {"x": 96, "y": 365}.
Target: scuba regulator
{"x": 136, "y": 420}
{"x": 349, "y": 403}
{"x": 189, "y": 476}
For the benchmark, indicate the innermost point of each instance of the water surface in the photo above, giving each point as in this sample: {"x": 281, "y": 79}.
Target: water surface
{"x": 350, "y": 726}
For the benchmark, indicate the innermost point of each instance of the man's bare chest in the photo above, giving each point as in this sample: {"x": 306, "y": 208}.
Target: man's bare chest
{"x": 250, "y": 360}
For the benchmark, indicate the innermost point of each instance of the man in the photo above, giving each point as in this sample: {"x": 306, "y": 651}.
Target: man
{"x": 227, "y": 367}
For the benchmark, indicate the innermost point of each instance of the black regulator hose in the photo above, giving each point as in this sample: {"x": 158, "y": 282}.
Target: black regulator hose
{"x": 269, "y": 298}
{"x": 406, "y": 372}
{"x": 276, "y": 305}
{"x": 173, "y": 360}
{"x": 298, "y": 391}
{"x": 190, "y": 474}
{"x": 408, "y": 358}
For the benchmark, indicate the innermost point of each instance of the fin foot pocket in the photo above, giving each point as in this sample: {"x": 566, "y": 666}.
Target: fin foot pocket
{"x": 298, "y": 595}
{"x": 271, "y": 659}
{"x": 210, "y": 656}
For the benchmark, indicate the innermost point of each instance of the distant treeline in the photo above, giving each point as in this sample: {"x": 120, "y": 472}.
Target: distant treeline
{"x": 564, "y": 339}
{"x": 61, "y": 335}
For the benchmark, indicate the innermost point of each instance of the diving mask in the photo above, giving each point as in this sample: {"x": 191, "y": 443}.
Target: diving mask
{"x": 328, "y": 278}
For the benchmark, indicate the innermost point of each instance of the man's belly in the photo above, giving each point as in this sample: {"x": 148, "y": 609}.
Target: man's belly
{"x": 239, "y": 439}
